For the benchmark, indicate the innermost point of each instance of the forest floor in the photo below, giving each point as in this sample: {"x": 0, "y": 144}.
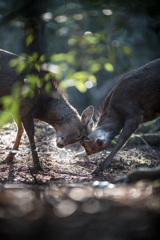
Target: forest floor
{"x": 62, "y": 164}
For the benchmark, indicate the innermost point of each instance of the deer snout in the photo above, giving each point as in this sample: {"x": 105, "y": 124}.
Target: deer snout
{"x": 60, "y": 142}
{"x": 99, "y": 141}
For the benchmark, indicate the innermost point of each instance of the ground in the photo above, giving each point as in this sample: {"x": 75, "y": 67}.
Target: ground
{"x": 66, "y": 201}
{"x": 62, "y": 164}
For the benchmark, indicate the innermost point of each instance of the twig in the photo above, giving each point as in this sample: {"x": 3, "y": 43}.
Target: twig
{"x": 2, "y": 152}
{"x": 144, "y": 141}
{"x": 152, "y": 155}
{"x": 45, "y": 152}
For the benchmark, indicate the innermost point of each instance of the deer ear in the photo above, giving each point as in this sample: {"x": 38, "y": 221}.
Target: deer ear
{"x": 87, "y": 115}
{"x": 90, "y": 126}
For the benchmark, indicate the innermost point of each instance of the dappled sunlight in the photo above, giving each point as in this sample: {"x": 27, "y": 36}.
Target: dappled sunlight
{"x": 87, "y": 33}
{"x": 107, "y": 12}
{"x": 78, "y": 17}
{"x": 51, "y": 67}
{"x": 65, "y": 208}
{"x": 61, "y": 19}
{"x": 88, "y": 84}
{"x": 64, "y": 164}
{"x": 47, "y": 16}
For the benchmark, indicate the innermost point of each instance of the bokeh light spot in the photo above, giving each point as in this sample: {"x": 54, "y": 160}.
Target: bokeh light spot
{"x": 107, "y": 12}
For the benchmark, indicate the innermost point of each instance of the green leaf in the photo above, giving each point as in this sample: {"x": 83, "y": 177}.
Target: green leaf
{"x": 58, "y": 57}
{"x": 13, "y": 63}
{"x": 33, "y": 57}
{"x": 113, "y": 141}
{"x": 109, "y": 67}
{"x": 26, "y": 91}
{"x": 33, "y": 81}
{"x": 21, "y": 67}
{"x": 62, "y": 85}
{"x": 92, "y": 78}
{"x": 81, "y": 87}
{"x": 83, "y": 76}
{"x": 70, "y": 58}
{"x": 37, "y": 66}
{"x": 47, "y": 87}
{"x": 47, "y": 76}
{"x": 95, "y": 67}
{"x": 29, "y": 39}
{"x": 42, "y": 58}
{"x": 126, "y": 50}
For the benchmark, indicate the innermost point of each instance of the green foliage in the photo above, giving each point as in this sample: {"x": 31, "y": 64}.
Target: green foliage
{"x": 23, "y": 64}
{"x": 126, "y": 50}
{"x": 88, "y": 52}
{"x": 85, "y": 42}
{"x": 78, "y": 80}
{"x": 27, "y": 62}
{"x": 29, "y": 36}
{"x": 11, "y": 105}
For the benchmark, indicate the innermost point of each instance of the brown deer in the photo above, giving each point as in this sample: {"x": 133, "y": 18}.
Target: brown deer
{"x": 134, "y": 100}
{"x": 50, "y": 107}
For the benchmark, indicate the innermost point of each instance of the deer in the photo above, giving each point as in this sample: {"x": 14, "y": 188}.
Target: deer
{"x": 51, "y": 107}
{"x": 135, "y": 99}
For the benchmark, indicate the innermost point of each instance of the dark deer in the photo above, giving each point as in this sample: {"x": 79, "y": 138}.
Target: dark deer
{"x": 134, "y": 100}
{"x": 50, "y": 107}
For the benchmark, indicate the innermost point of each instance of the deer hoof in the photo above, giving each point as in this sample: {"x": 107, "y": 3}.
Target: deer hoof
{"x": 97, "y": 171}
{"x": 9, "y": 159}
{"x": 36, "y": 169}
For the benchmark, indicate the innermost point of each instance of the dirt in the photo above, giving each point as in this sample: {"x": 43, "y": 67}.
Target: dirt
{"x": 62, "y": 164}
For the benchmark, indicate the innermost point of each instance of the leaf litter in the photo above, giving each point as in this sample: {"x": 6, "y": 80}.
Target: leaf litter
{"x": 63, "y": 164}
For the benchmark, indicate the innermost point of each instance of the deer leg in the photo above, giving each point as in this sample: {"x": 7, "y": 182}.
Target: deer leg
{"x": 130, "y": 126}
{"x": 13, "y": 152}
{"x": 28, "y": 124}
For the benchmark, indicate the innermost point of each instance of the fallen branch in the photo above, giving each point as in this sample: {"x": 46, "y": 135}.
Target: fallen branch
{"x": 140, "y": 174}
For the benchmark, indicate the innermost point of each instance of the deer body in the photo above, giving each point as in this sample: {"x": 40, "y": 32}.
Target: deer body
{"x": 50, "y": 107}
{"x": 134, "y": 100}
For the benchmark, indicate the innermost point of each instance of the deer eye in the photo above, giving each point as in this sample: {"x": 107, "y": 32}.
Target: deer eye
{"x": 80, "y": 135}
{"x": 87, "y": 139}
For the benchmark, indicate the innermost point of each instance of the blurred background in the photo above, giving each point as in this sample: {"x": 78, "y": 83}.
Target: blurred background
{"x": 88, "y": 44}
